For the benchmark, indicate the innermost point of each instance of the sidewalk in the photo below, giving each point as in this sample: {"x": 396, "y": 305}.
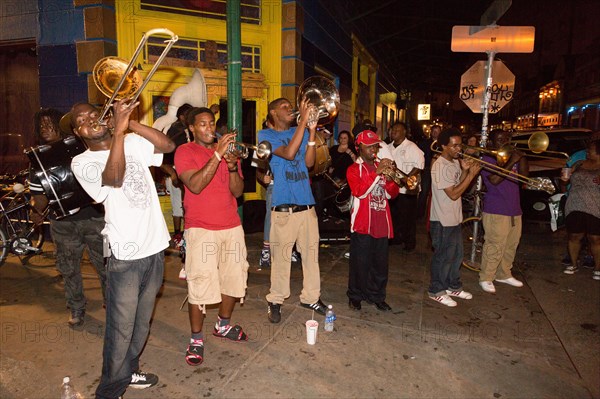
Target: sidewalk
{"x": 539, "y": 341}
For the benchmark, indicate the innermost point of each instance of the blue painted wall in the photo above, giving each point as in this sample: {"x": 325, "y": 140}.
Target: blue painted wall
{"x": 60, "y": 26}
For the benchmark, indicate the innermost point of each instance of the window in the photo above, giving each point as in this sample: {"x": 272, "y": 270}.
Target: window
{"x": 198, "y": 50}
{"x": 214, "y": 9}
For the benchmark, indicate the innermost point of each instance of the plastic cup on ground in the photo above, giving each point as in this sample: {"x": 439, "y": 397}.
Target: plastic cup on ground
{"x": 312, "y": 326}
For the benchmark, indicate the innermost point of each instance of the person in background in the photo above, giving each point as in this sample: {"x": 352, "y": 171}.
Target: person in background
{"x": 582, "y": 209}
{"x": 264, "y": 175}
{"x": 216, "y": 265}
{"x": 588, "y": 259}
{"x": 179, "y": 133}
{"x": 115, "y": 171}
{"x": 293, "y": 216}
{"x": 410, "y": 160}
{"x": 70, "y": 234}
{"x": 425, "y": 146}
{"x": 342, "y": 155}
{"x": 371, "y": 224}
{"x": 501, "y": 217}
{"x": 450, "y": 177}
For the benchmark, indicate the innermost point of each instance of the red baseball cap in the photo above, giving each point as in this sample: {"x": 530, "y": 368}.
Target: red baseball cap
{"x": 367, "y": 137}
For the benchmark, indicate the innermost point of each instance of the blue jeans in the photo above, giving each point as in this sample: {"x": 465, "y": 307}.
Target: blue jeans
{"x": 368, "y": 272}
{"x": 447, "y": 258}
{"x": 70, "y": 239}
{"x": 132, "y": 286}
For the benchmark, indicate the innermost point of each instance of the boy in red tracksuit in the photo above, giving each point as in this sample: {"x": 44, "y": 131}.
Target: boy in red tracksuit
{"x": 371, "y": 224}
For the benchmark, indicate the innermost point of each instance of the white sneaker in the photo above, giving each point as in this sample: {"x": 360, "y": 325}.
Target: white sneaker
{"x": 347, "y": 255}
{"x": 488, "y": 286}
{"x": 596, "y": 275}
{"x": 444, "y": 300}
{"x": 460, "y": 294}
{"x": 182, "y": 274}
{"x": 510, "y": 281}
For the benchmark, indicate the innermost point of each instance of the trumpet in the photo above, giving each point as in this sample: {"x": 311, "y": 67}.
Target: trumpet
{"x": 534, "y": 183}
{"x": 110, "y": 70}
{"x": 397, "y": 175}
{"x": 242, "y": 150}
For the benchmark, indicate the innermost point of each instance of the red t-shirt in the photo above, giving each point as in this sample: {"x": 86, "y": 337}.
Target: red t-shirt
{"x": 214, "y": 208}
{"x": 377, "y": 203}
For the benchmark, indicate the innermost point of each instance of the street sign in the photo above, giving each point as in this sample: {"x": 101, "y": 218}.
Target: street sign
{"x": 473, "y": 83}
{"x": 497, "y": 39}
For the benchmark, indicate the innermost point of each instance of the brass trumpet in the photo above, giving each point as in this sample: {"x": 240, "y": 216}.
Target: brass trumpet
{"x": 535, "y": 183}
{"x": 242, "y": 150}
{"x": 397, "y": 175}
{"x": 118, "y": 80}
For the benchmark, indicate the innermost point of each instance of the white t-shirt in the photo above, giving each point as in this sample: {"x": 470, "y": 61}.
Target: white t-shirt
{"x": 445, "y": 174}
{"x": 135, "y": 224}
{"x": 407, "y": 156}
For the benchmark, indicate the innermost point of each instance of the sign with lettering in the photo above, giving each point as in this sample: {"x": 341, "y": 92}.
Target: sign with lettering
{"x": 473, "y": 84}
{"x": 424, "y": 112}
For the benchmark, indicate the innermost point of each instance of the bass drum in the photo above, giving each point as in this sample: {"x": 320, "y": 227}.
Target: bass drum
{"x": 51, "y": 164}
{"x": 322, "y": 157}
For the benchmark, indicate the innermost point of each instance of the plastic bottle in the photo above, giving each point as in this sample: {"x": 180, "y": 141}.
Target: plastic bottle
{"x": 68, "y": 391}
{"x": 329, "y": 318}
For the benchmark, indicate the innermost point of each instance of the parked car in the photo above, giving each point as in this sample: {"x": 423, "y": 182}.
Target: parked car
{"x": 568, "y": 140}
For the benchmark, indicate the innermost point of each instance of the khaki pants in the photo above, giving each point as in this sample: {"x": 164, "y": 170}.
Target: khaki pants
{"x": 502, "y": 236}
{"x": 288, "y": 228}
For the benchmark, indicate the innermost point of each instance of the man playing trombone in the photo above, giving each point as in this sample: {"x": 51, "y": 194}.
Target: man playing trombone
{"x": 115, "y": 171}
{"x": 501, "y": 216}
{"x": 450, "y": 177}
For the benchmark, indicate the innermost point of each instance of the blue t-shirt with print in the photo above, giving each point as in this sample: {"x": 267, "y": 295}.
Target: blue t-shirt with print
{"x": 292, "y": 185}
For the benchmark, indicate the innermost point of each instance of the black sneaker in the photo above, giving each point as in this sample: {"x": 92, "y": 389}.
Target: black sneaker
{"x": 265, "y": 259}
{"x": 141, "y": 380}
{"x": 274, "y": 312}
{"x": 318, "y": 307}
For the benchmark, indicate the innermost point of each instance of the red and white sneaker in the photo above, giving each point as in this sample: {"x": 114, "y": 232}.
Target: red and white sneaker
{"x": 444, "y": 300}
{"x": 460, "y": 294}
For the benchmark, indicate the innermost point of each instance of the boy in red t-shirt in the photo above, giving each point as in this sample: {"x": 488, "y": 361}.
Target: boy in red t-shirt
{"x": 371, "y": 224}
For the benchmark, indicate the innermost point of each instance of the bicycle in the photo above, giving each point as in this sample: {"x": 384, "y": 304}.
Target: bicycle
{"x": 472, "y": 249}
{"x": 18, "y": 234}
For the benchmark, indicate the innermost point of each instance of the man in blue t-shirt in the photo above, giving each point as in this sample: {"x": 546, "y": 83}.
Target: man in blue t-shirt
{"x": 293, "y": 216}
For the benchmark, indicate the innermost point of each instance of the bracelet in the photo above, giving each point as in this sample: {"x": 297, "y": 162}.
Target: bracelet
{"x": 311, "y": 143}
{"x": 233, "y": 170}
{"x": 218, "y": 156}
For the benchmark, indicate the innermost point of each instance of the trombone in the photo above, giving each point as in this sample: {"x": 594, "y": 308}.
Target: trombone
{"x": 109, "y": 70}
{"x": 536, "y": 144}
{"x": 535, "y": 183}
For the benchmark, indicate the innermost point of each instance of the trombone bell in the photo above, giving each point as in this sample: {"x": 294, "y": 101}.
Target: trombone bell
{"x": 107, "y": 74}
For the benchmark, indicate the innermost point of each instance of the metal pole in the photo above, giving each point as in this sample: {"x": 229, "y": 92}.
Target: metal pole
{"x": 482, "y": 144}
{"x": 234, "y": 68}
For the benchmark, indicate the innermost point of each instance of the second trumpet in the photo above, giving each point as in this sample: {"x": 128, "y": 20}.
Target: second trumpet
{"x": 242, "y": 150}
